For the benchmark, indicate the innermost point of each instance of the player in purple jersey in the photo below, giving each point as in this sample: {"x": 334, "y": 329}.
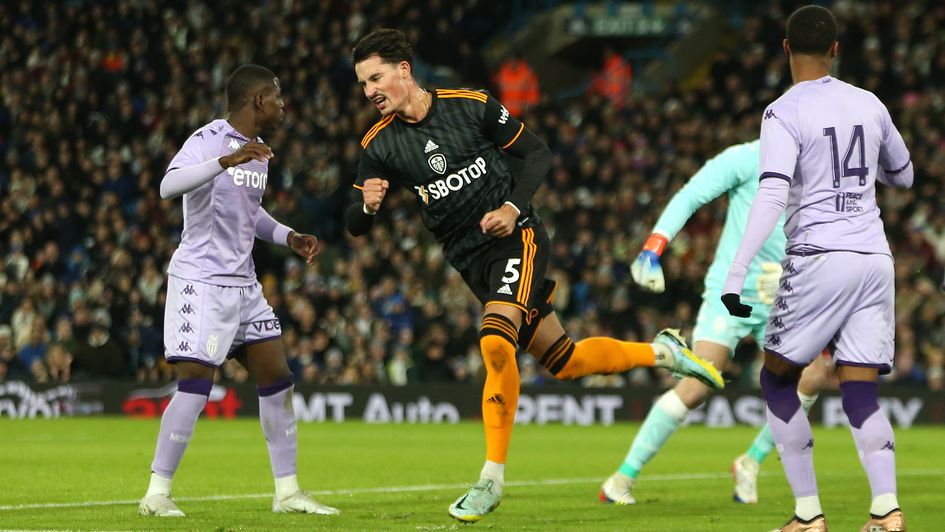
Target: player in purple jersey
{"x": 824, "y": 144}
{"x": 215, "y": 308}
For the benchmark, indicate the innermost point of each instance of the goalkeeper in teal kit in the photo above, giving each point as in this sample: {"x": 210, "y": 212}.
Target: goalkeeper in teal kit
{"x": 716, "y": 333}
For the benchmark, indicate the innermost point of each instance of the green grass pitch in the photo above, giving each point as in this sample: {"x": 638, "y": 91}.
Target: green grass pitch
{"x": 85, "y": 474}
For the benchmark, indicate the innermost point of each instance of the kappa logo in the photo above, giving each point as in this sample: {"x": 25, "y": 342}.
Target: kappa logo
{"x": 213, "y": 342}
{"x": 774, "y": 340}
{"x": 781, "y": 304}
{"x": 438, "y": 163}
{"x": 187, "y": 309}
{"x": 233, "y": 145}
{"x": 183, "y": 347}
{"x": 504, "y": 289}
{"x": 430, "y": 146}
{"x": 189, "y": 290}
{"x": 810, "y": 444}
{"x": 786, "y": 286}
{"x": 769, "y": 114}
{"x": 778, "y": 322}
{"x": 890, "y": 446}
{"x": 503, "y": 115}
{"x": 186, "y": 328}
{"x": 179, "y": 438}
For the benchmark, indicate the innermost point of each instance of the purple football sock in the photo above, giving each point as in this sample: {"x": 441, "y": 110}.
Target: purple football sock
{"x": 177, "y": 424}
{"x": 278, "y": 422}
{"x": 872, "y": 433}
{"x": 791, "y": 431}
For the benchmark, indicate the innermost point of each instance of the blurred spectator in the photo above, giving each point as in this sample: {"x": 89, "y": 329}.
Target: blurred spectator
{"x": 96, "y": 96}
{"x": 517, "y": 84}
{"x": 614, "y": 80}
{"x": 58, "y": 363}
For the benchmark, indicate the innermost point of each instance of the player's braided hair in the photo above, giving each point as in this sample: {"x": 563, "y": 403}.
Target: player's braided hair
{"x": 389, "y": 44}
{"x": 811, "y": 30}
{"x": 243, "y": 82}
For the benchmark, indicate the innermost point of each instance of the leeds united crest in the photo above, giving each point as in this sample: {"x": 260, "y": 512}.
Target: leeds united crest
{"x": 438, "y": 163}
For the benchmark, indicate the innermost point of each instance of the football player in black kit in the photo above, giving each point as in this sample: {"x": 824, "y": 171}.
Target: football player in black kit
{"x": 444, "y": 146}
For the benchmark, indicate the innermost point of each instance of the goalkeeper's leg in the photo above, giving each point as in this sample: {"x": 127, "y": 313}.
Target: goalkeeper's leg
{"x": 664, "y": 417}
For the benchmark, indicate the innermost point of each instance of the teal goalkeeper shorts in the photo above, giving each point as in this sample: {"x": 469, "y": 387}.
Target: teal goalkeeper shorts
{"x": 714, "y": 323}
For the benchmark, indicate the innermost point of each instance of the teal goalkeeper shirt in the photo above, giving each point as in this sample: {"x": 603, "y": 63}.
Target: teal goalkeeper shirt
{"x": 735, "y": 172}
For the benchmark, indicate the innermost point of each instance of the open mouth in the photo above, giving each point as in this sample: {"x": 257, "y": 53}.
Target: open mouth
{"x": 379, "y": 101}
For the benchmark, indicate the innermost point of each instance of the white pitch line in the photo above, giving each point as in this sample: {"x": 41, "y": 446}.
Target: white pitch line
{"x": 672, "y": 477}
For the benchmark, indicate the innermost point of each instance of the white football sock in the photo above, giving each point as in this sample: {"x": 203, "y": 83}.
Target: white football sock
{"x": 286, "y": 486}
{"x": 495, "y": 472}
{"x": 159, "y": 485}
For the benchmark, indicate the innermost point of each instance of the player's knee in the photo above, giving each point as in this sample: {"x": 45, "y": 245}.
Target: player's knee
{"x": 780, "y": 393}
{"x": 555, "y": 359}
{"x": 187, "y": 370}
{"x": 196, "y": 386}
{"x": 497, "y": 339}
{"x": 692, "y": 391}
{"x": 275, "y": 386}
{"x": 860, "y": 400}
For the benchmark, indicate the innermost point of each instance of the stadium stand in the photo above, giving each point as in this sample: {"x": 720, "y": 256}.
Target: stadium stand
{"x": 96, "y": 96}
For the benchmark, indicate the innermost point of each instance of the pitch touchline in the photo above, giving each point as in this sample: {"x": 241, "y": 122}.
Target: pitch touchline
{"x": 436, "y": 487}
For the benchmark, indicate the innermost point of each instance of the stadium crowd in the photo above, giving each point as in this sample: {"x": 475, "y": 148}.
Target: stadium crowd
{"x": 96, "y": 97}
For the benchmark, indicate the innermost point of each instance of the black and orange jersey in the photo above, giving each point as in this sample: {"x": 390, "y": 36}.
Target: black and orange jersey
{"x": 451, "y": 161}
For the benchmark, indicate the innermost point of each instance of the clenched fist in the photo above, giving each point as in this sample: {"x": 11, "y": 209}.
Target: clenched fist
{"x": 374, "y": 191}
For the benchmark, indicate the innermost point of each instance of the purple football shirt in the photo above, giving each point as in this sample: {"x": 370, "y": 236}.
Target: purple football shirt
{"x": 219, "y": 217}
{"x": 829, "y": 140}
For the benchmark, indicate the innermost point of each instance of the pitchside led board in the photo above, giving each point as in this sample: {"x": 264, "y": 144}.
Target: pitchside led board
{"x": 444, "y": 403}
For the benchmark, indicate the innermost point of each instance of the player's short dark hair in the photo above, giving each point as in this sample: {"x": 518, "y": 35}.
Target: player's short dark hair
{"x": 811, "y": 30}
{"x": 390, "y": 45}
{"x": 243, "y": 81}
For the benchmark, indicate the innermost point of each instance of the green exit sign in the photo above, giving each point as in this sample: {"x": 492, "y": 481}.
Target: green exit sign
{"x": 619, "y": 26}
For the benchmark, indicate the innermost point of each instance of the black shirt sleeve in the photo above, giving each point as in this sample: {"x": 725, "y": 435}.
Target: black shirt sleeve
{"x": 511, "y": 135}
{"x": 357, "y": 221}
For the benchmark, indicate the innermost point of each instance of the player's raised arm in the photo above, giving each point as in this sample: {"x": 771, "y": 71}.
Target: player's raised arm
{"x": 779, "y": 152}
{"x": 716, "y": 177}
{"x": 189, "y": 170}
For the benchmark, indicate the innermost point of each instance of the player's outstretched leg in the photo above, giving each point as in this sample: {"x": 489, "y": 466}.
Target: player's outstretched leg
{"x": 684, "y": 363}
{"x": 177, "y": 427}
{"x": 746, "y": 467}
{"x": 497, "y": 338}
{"x": 566, "y": 359}
{"x": 267, "y": 364}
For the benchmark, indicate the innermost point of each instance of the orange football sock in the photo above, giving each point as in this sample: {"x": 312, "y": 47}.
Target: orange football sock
{"x": 500, "y": 394}
{"x": 595, "y": 356}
